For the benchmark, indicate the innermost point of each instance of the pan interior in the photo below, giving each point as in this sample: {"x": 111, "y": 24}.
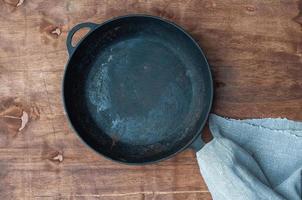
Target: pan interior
{"x": 135, "y": 89}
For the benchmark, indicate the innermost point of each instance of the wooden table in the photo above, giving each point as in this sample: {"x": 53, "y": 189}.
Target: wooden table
{"x": 255, "y": 52}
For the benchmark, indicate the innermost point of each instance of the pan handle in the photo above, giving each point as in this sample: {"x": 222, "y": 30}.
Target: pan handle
{"x": 91, "y": 26}
{"x": 197, "y": 144}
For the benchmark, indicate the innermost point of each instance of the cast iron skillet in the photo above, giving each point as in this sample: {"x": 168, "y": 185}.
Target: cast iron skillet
{"x": 137, "y": 89}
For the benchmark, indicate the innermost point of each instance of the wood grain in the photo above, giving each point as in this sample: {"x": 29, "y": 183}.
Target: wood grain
{"x": 255, "y": 52}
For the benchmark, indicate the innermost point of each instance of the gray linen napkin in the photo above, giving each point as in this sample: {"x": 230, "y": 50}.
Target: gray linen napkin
{"x": 253, "y": 159}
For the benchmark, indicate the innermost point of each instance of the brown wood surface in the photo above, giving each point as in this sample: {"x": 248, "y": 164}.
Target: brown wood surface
{"x": 255, "y": 51}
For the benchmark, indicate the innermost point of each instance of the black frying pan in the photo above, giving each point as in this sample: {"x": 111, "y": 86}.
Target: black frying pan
{"x": 137, "y": 89}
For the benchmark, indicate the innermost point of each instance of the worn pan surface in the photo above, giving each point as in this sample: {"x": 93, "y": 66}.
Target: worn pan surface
{"x": 137, "y": 89}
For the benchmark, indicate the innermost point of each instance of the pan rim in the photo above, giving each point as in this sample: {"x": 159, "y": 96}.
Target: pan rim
{"x": 209, "y": 98}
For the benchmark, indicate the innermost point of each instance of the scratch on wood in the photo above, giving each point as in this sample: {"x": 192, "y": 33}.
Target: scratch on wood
{"x": 50, "y": 28}
{"x": 14, "y": 4}
{"x": 250, "y": 8}
{"x": 16, "y": 115}
{"x": 58, "y": 157}
{"x": 24, "y": 120}
{"x": 57, "y": 31}
{"x": 49, "y": 105}
{"x": 20, "y": 3}
{"x": 13, "y": 116}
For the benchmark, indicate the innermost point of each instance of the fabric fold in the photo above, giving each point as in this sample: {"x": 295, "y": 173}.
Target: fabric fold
{"x": 253, "y": 159}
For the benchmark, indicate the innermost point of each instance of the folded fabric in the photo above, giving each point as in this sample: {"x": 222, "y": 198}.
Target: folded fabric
{"x": 253, "y": 159}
